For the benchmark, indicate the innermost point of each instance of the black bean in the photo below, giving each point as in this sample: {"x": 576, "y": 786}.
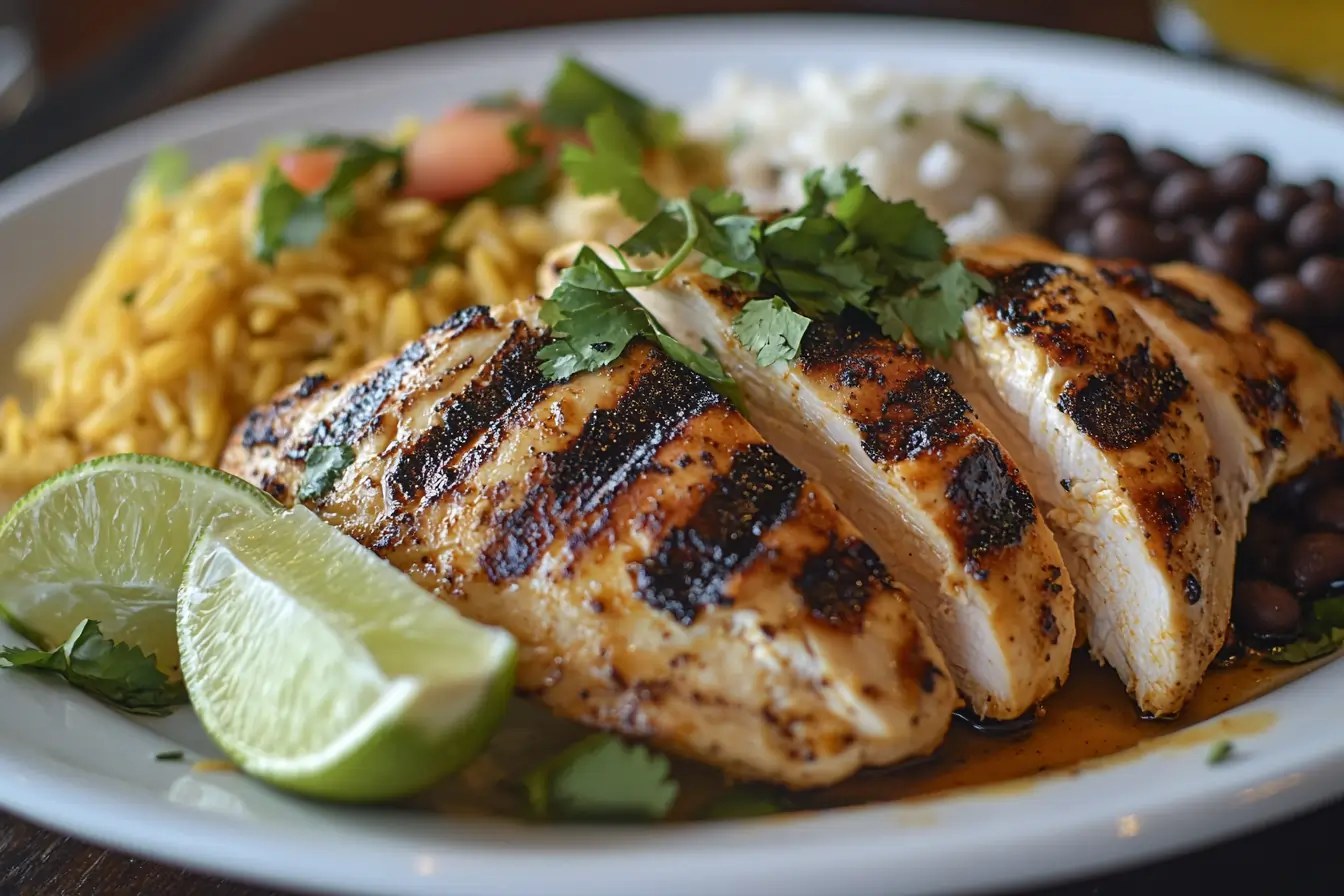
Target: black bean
{"x": 1185, "y": 192}
{"x": 1119, "y": 234}
{"x": 1283, "y": 296}
{"x": 1228, "y": 260}
{"x": 1239, "y": 177}
{"x": 1238, "y": 227}
{"x": 1158, "y": 163}
{"x": 1260, "y": 554}
{"x": 1106, "y": 196}
{"x": 1322, "y": 188}
{"x": 1289, "y": 497}
{"x": 1315, "y": 562}
{"x": 1174, "y": 241}
{"x": 1278, "y": 203}
{"x": 1323, "y": 275}
{"x": 1137, "y": 193}
{"x": 1326, "y": 509}
{"x": 1272, "y": 260}
{"x": 1263, "y": 608}
{"x": 1106, "y": 143}
{"x": 1100, "y": 172}
{"x": 1315, "y": 228}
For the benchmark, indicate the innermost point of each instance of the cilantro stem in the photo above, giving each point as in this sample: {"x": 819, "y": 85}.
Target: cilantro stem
{"x": 648, "y": 278}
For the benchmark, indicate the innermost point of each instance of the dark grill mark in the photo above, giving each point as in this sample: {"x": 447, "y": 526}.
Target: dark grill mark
{"x": 512, "y": 375}
{"x": 1192, "y": 590}
{"x": 1139, "y": 281}
{"x": 1166, "y": 511}
{"x": 310, "y": 384}
{"x": 836, "y": 583}
{"x": 924, "y": 414}
{"x": 695, "y": 561}
{"x": 1021, "y": 298}
{"x": 261, "y": 426}
{"x": 1260, "y": 399}
{"x": 347, "y": 422}
{"x": 615, "y": 447}
{"x": 994, "y": 507}
{"x": 920, "y": 410}
{"x": 929, "y": 679}
{"x": 1125, "y": 407}
{"x": 1049, "y": 625}
{"x": 1275, "y": 439}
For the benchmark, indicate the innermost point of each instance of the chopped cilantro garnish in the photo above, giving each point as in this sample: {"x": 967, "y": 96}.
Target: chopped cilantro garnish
{"x": 170, "y": 756}
{"x": 742, "y": 803}
{"x": 287, "y": 218}
{"x": 594, "y": 318}
{"x": 527, "y": 184}
{"x": 1322, "y": 634}
{"x": 577, "y": 93}
{"x": 614, "y": 164}
{"x": 986, "y": 129}
{"x": 116, "y": 672}
{"x": 771, "y": 329}
{"x": 128, "y": 297}
{"x": 166, "y": 171}
{"x": 1220, "y": 752}
{"x": 602, "y": 778}
{"x": 324, "y": 466}
{"x": 846, "y": 247}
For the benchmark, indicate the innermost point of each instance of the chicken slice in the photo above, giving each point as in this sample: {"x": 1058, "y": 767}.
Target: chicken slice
{"x": 668, "y": 575}
{"x": 1109, "y": 434}
{"x": 926, "y": 484}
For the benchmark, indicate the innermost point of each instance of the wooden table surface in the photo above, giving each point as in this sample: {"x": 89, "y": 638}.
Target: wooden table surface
{"x": 35, "y": 862}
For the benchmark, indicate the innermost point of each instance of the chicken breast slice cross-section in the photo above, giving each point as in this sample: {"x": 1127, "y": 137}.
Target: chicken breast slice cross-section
{"x": 667, "y": 574}
{"x": 1108, "y": 430}
{"x": 929, "y": 487}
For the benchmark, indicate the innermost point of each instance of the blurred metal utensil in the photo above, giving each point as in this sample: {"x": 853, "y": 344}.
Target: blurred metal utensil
{"x": 165, "y": 59}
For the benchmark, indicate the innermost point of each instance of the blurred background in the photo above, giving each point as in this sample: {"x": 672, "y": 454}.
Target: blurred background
{"x": 72, "y": 68}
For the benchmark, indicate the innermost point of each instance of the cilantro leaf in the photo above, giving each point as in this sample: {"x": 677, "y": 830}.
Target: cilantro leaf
{"x": 771, "y": 329}
{"x": 170, "y": 756}
{"x": 166, "y": 171}
{"x": 286, "y": 218}
{"x": 128, "y": 297}
{"x": 1308, "y": 648}
{"x": 602, "y": 778}
{"x": 503, "y": 100}
{"x": 526, "y": 185}
{"x": 594, "y": 318}
{"x": 615, "y": 164}
{"x": 898, "y": 230}
{"x": 742, "y": 803}
{"x": 1221, "y": 752}
{"x": 577, "y": 93}
{"x": 114, "y": 671}
{"x": 986, "y": 129}
{"x": 323, "y": 467}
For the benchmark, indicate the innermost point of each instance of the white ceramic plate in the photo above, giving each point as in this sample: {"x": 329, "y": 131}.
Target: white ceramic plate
{"x": 70, "y": 763}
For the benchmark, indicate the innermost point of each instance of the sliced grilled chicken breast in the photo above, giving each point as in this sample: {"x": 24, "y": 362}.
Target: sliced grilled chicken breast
{"x": 927, "y": 485}
{"x": 667, "y": 574}
{"x": 1109, "y": 434}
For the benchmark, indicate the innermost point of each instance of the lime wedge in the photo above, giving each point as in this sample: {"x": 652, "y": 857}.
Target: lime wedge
{"x": 319, "y": 668}
{"x": 107, "y": 540}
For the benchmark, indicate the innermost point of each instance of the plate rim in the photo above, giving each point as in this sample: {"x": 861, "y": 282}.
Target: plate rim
{"x": 1319, "y": 771}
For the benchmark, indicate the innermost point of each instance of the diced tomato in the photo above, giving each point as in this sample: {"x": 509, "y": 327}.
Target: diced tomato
{"x": 309, "y": 170}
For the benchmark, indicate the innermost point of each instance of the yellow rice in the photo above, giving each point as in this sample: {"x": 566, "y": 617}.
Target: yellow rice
{"x": 178, "y": 331}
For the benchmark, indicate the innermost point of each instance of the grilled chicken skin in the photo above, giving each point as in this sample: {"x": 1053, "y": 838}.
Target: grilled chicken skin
{"x": 927, "y": 485}
{"x": 1108, "y": 431}
{"x": 668, "y": 575}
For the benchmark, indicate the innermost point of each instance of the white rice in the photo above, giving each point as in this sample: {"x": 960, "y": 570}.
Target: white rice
{"x": 907, "y": 135}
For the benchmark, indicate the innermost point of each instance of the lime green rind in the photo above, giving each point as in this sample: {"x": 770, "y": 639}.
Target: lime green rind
{"x": 380, "y": 689}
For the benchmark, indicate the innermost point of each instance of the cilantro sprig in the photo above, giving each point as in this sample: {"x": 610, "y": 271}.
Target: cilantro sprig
{"x": 1322, "y": 634}
{"x": 289, "y": 218}
{"x": 845, "y": 248}
{"x": 602, "y": 778}
{"x": 322, "y": 469}
{"x": 577, "y": 93}
{"x": 114, "y": 671}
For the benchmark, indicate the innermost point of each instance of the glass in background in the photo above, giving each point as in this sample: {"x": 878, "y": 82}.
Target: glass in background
{"x": 1299, "y": 39}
